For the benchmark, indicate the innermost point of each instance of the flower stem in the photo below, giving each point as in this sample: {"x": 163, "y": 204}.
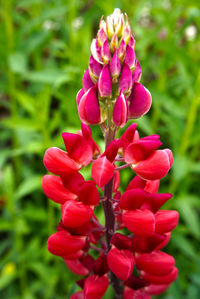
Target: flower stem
{"x": 110, "y": 217}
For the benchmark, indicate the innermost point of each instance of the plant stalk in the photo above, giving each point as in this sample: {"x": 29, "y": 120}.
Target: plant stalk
{"x": 110, "y": 217}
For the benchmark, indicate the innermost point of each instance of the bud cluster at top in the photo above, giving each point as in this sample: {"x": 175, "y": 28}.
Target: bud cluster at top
{"x": 112, "y": 78}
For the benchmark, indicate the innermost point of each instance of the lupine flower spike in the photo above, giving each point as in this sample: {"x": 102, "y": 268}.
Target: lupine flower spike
{"x": 126, "y": 252}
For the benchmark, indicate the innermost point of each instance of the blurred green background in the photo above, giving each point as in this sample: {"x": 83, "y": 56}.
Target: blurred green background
{"x": 44, "y": 50}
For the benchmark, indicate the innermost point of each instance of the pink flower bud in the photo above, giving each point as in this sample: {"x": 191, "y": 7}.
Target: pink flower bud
{"x": 139, "y": 222}
{"x": 105, "y": 52}
{"x": 130, "y": 59}
{"x": 121, "y": 262}
{"x": 102, "y": 171}
{"x": 121, "y": 50}
{"x": 120, "y": 111}
{"x": 96, "y": 51}
{"x": 101, "y": 37}
{"x": 75, "y": 214}
{"x": 166, "y": 221}
{"x": 89, "y": 109}
{"x": 62, "y": 243}
{"x": 109, "y": 27}
{"x": 87, "y": 82}
{"x": 54, "y": 189}
{"x": 105, "y": 83}
{"x": 95, "y": 287}
{"x": 153, "y": 168}
{"x": 114, "y": 43}
{"x": 131, "y": 42}
{"x": 94, "y": 69}
{"x": 58, "y": 162}
{"x": 140, "y": 101}
{"x": 137, "y": 73}
{"x": 125, "y": 82}
{"x": 127, "y": 33}
{"x": 76, "y": 267}
{"x": 115, "y": 67}
{"x": 160, "y": 279}
{"x": 156, "y": 262}
{"x": 79, "y": 96}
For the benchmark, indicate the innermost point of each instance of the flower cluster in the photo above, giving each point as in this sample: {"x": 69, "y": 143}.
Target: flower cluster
{"x": 113, "y": 75}
{"x": 126, "y": 251}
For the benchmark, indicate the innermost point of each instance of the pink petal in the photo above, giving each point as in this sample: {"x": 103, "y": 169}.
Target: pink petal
{"x": 140, "y": 101}
{"x": 121, "y": 50}
{"x": 141, "y": 150}
{"x": 137, "y": 73}
{"x": 105, "y": 82}
{"x": 125, "y": 82}
{"x": 105, "y": 52}
{"x": 94, "y": 69}
{"x": 101, "y": 37}
{"x": 115, "y": 66}
{"x": 89, "y": 109}
{"x": 78, "y": 148}
{"x": 79, "y": 96}
{"x": 120, "y": 111}
{"x": 130, "y": 59}
{"x": 102, "y": 171}
{"x": 87, "y": 82}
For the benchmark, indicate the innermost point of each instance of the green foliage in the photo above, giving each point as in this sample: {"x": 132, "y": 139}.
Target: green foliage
{"x": 44, "y": 49}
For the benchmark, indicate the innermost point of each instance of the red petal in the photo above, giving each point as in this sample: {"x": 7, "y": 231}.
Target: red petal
{"x": 111, "y": 150}
{"x": 154, "y": 289}
{"x": 95, "y": 287}
{"x": 102, "y": 171}
{"x": 141, "y": 150}
{"x": 88, "y": 193}
{"x": 75, "y": 214}
{"x": 121, "y": 241}
{"x": 76, "y": 267}
{"x": 165, "y": 279}
{"x": 156, "y": 263}
{"x": 73, "y": 181}
{"x": 62, "y": 243}
{"x": 166, "y": 221}
{"x": 58, "y": 162}
{"x": 54, "y": 189}
{"x": 77, "y": 295}
{"x": 132, "y": 294}
{"x": 139, "y": 222}
{"x": 121, "y": 262}
{"x": 155, "y": 167}
{"x": 132, "y": 199}
{"x": 78, "y": 148}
